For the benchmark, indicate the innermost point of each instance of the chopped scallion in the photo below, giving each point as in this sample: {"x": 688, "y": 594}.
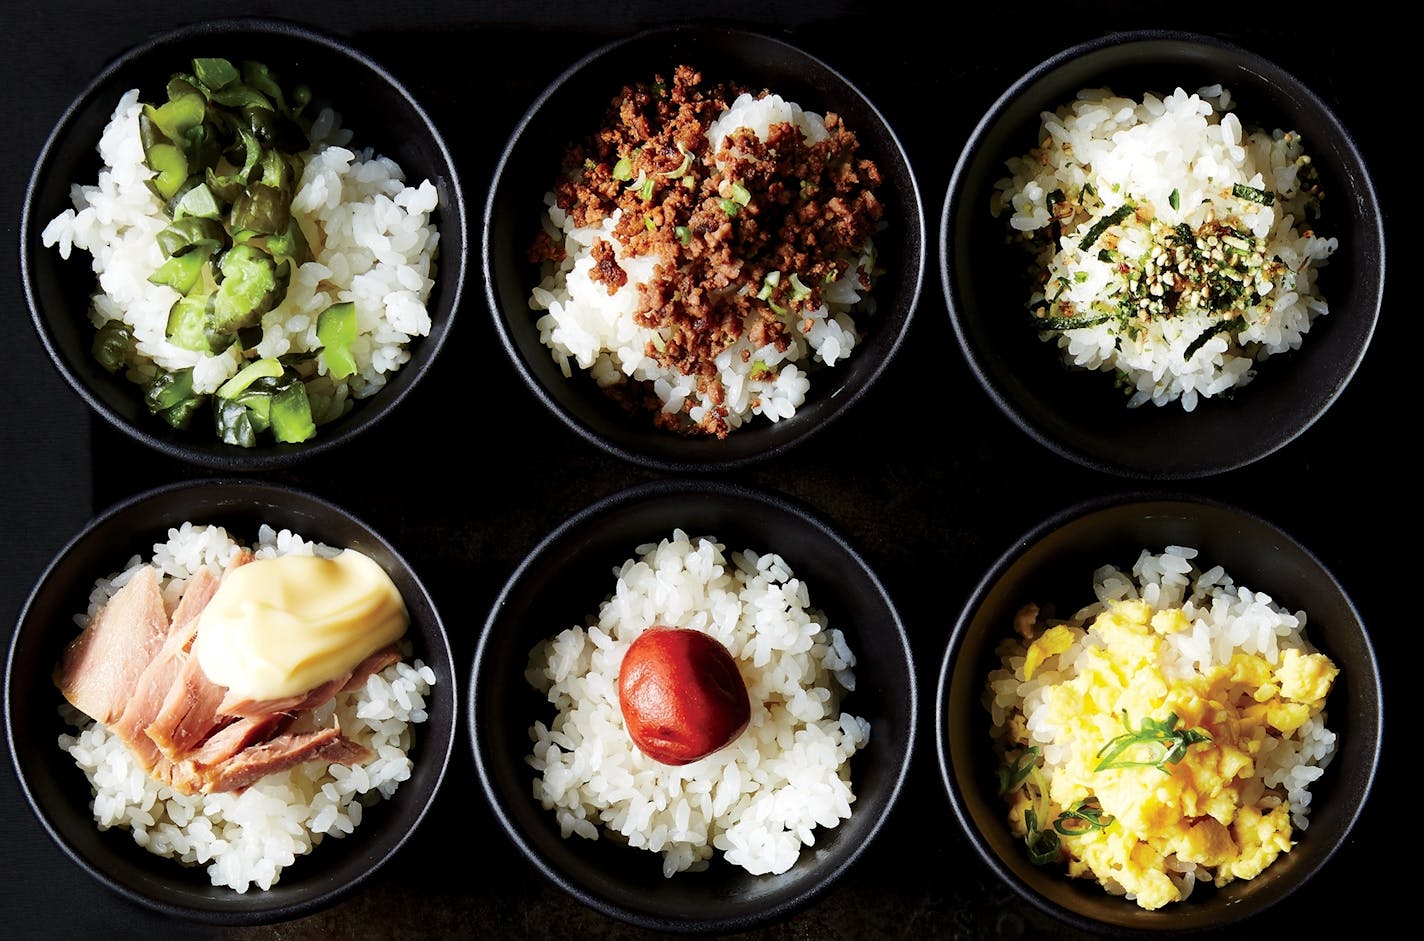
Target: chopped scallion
{"x": 1164, "y": 743}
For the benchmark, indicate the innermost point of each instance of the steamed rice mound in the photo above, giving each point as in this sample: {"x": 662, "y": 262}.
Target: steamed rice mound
{"x": 246, "y": 839}
{"x": 373, "y": 243}
{"x": 707, "y": 252}
{"x": 1185, "y": 711}
{"x": 757, "y": 801}
{"x": 1171, "y": 245}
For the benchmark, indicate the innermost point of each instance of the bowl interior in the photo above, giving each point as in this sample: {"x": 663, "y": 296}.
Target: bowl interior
{"x": 58, "y": 791}
{"x": 372, "y": 104}
{"x": 1080, "y": 414}
{"x": 563, "y": 581}
{"x": 572, "y": 106}
{"x": 1055, "y": 564}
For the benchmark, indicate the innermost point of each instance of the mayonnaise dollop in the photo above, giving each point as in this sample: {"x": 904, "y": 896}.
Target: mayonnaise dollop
{"x": 281, "y": 626}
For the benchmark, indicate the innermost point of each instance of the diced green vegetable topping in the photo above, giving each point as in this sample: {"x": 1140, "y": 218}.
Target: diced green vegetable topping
{"x": 250, "y": 287}
{"x": 214, "y": 73}
{"x": 169, "y": 395}
{"x": 179, "y": 114}
{"x": 113, "y": 345}
{"x": 740, "y": 194}
{"x": 180, "y": 272}
{"x": 683, "y": 233}
{"x": 257, "y": 369}
{"x": 623, "y": 169}
{"x": 170, "y": 168}
{"x": 191, "y": 232}
{"x": 234, "y": 423}
{"x": 291, "y": 414}
{"x": 336, "y": 329}
{"x": 168, "y": 389}
{"x": 188, "y": 324}
{"x": 198, "y": 201}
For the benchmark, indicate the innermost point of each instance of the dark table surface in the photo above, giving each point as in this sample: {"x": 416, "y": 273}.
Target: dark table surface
{"x": 927, "y": 509}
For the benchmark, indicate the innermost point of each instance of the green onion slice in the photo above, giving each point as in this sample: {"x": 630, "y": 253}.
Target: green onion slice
{"x": 1163, "y": 742}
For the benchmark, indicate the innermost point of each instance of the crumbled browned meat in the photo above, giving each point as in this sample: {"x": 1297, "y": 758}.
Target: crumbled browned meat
{"x": 545, "y": 249}
{"x": 606, "y": 267}
{"x": 745, "y": 238}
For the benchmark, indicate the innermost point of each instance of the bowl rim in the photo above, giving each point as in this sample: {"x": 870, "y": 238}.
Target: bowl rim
{"x": 237, "y": 459}
{"x": 970, "y": 606}
{"x": 913, "y": 291}
{"x": 955, "y": 198}
{"x": 633, "y": 495}
{"x": 436, "y": 754}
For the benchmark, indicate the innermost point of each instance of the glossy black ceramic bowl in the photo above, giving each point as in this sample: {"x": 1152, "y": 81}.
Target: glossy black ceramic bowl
{"x": 373, "y": 105}
{"x": 571, "y": 107}
{"x": 561, "y": 583}
{"x": 57, "y": 790}
{"x": 1054, "y": 564}
{"x": 1081, "y": 414}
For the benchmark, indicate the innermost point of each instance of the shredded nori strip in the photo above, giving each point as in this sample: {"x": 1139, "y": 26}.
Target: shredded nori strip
{"x": 1071, "y": 323}
{"x": 1101, "y": 226}
{"x": 1264, "y": 197}
{"x": 1235, "y": 323}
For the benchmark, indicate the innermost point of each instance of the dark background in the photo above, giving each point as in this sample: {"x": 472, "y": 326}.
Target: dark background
{"x": 930, "y": 499}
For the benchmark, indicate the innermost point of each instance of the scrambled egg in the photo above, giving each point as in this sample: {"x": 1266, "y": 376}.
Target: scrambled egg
{"x": 1209, "y": 807}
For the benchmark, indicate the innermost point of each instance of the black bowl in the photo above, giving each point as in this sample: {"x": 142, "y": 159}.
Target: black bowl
{"x": 1080, "y": 414}
{"x": 561, "y": 582}
{"x": 571, "y": 106}
{"x": 1055, "y": 562}
{"x": 57, "y": 790}
{"x": 373, "y": 104}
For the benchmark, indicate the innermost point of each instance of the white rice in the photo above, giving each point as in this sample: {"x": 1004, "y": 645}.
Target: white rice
{"x": 246, "y": 839}
{"x": 585, "y": 327}
{"x": 1145, "y": 150}
{"x": 371, "y": 237}
{"x": 760, "y": 799}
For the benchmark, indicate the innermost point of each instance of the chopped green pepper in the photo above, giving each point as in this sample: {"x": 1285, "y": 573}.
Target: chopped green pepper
{"x": 188, "y": 325}
{"x": 291, "y": 414}
{"x": 180, "y": 272}
{"x": 113, "y": 345}
{"x": 336, "y": 329}
{"x": 250, "y": 287}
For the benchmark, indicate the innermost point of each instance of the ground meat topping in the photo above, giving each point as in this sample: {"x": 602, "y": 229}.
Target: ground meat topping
{"x": 745, "y": 238}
